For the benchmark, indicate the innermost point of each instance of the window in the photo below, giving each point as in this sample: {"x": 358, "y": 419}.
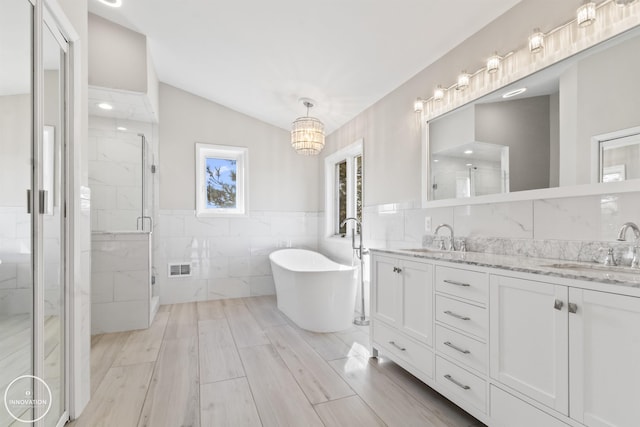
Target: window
{"x": 221, "y": 176}
{"x": 343, "y": 184}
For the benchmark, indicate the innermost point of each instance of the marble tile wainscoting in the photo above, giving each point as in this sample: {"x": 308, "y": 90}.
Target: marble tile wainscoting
{"x": 229, "y": 256}
{"x": 572, "y": 228}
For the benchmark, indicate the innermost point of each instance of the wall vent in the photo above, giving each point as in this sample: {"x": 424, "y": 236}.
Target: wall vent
{"x": 179, "y": 269}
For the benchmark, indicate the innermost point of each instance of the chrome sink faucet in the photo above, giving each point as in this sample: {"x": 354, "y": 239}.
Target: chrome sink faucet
{"x": 450, "y": 228}
{"x": 622, "y": 236}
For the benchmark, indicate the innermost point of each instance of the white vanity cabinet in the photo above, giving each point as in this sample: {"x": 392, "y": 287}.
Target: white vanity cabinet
{"x": 573, "y": 350}
{"x": 529, "y": 333}
{"x": 511, "y": 348}
{"x": 402, "y": 317}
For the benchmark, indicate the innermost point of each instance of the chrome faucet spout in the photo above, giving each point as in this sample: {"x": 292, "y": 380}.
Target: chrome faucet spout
{"x": 622, "y": 234}
{"x": 359, "y": 249}
{"x": 450, "y": 228}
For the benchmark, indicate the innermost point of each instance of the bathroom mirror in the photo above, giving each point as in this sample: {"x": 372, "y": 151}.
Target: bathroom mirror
{"x": 545, "y": 130}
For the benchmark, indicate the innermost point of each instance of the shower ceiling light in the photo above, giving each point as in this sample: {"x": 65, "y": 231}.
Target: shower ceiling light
{"x": 111, "y": 3}
{"x": 307, "y": 133}
{"x": 105, "y": 106}
{"x": 121, "y": 128}
{"x": 586, "y": 14}
{"x": 514, "y": 92}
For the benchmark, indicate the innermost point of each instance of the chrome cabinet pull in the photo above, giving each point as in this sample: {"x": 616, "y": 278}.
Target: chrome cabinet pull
{"x": 558, "y": 305}
{"x": 453, "y": 282}
{"x": 28, "y": 201}
{"x": 455, "y": 347}
{"x": 43, "y": 201}
{"x": 457, "y": 316}
{"x": 459, "y": 384}
{"x": 573, "y": 308}
{"x": 393, "y": 343}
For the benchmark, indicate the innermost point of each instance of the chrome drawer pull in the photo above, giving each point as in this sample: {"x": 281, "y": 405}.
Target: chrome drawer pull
{"x": 573, "y": 308}
{"x": 453, "y": 282}
{"x": 558, "y": 305}
{"x": 393, "y": 343}
{"x": 455, "y": 347}
{"x": 459, "y": 384}
{"x": 457, "y": 316}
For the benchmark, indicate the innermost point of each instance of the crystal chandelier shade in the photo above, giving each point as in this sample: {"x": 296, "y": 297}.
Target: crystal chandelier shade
{"x": 307, "y": 134}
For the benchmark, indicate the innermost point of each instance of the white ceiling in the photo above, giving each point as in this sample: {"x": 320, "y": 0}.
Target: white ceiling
{"x": 259, "y": 57}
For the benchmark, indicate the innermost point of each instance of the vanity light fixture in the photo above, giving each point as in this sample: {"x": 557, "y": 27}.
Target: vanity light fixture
{"x": 586, "y": 14}
{"x": 493, "y": 63}
{"x": 307, "y": 133}
{"x": 111, "y": 3}
{"x": 463, "y": 81}
{"x": 536, "y": 41}
{"x": 418, "y": 106}
{"x": 438, "y": 93}
{"x": 105, "y": 106}
{"x": 514, "y": 92}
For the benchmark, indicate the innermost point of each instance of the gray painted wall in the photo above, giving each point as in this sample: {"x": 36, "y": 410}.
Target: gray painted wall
{"x": 279, "y": 178}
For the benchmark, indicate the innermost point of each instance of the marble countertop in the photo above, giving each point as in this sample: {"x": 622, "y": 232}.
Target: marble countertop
{"x": 549, "y": 267}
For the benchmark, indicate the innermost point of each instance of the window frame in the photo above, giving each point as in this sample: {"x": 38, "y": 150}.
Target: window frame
{"x": 348, "y": 154}
{"x": 227, "y": 152}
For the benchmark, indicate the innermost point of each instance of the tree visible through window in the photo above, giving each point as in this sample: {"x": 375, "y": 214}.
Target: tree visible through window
{"x": 221, "y": 180}
{"x": 221, "y": 183}
{"x": 344, "y": 183}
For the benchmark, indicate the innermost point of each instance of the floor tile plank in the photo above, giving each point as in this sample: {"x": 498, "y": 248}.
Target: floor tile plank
{"x": 317, "y": 379}
{"x": 209, "y": 310}
{"x": 219, "y": 358}
{"x": 119, "y": 398}
{"x": 246, "y": 330}
{"x": 265, "y": 312}
{"x": 390, "y": 402}
{"x": 173, "y": 397}
{"x": 279, "y": 399}
{"x": 183, "y": 321}
{"x": 348, "y": 412}
{"x": 144, "y": 345}
{"x": 105, "y": 348}
{"x": 228, "y": 403}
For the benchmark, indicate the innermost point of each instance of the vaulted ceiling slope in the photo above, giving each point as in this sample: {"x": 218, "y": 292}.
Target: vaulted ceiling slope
{"x": 259, "y": 57}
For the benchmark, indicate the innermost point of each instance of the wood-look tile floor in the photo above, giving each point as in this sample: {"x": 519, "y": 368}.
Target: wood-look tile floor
{"x": 241, "y": 362}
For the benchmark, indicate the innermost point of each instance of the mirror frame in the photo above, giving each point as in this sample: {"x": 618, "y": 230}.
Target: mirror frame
{"x": 611, "y": 22}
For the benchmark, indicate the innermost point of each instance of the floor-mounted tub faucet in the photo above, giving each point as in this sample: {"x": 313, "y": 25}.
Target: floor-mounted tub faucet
{"x": 360, "y": 252}
{"x": 622, "y": 236}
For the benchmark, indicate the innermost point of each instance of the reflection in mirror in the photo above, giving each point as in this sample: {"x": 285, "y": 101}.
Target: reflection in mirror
{"x": 16, "y": 280}
{"x": 548, "y": 126}
{"x": 619, "y": 159}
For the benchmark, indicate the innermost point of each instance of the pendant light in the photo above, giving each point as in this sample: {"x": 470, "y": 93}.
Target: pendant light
{"x": 307, "y": 133}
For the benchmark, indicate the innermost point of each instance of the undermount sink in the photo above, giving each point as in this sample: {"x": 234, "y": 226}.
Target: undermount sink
{"x": 597, "y": 267}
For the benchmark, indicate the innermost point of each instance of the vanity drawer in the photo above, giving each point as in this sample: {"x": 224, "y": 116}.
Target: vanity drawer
{"x": 462, "y": 383}
{"x": 398, "y": 345}
{"x": 461, "y": 348}
{"x": 466, "y": 284}
{"x": 466, "y": 317}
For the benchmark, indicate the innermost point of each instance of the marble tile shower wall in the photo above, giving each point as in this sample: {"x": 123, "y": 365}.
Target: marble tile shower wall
{"x": 229, "y": 256}
{"x": 574, "y": 228}
{"x": 115, "y": 168}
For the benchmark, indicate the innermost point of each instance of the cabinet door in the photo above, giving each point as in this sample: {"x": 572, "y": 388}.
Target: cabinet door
{"x": 386, "y": 303}
{"x": 605, "y": 359}
{"x": 417, "y": 301}
{"x": 529, "y": 339}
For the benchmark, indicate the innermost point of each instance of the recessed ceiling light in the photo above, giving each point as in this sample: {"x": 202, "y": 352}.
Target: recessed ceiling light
{"x": 468, "y": 152}
{"x": 514, "y": 92}
{"x": 112, "y": 3}
{"x": 469, "y": 164}
{"x": 105, "y": 106}
{"x": 122, "y": 128}
{"x": 436, "y": 160}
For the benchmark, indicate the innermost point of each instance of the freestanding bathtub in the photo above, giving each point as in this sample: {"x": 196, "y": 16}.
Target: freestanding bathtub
{"x": 316, "y": 293}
